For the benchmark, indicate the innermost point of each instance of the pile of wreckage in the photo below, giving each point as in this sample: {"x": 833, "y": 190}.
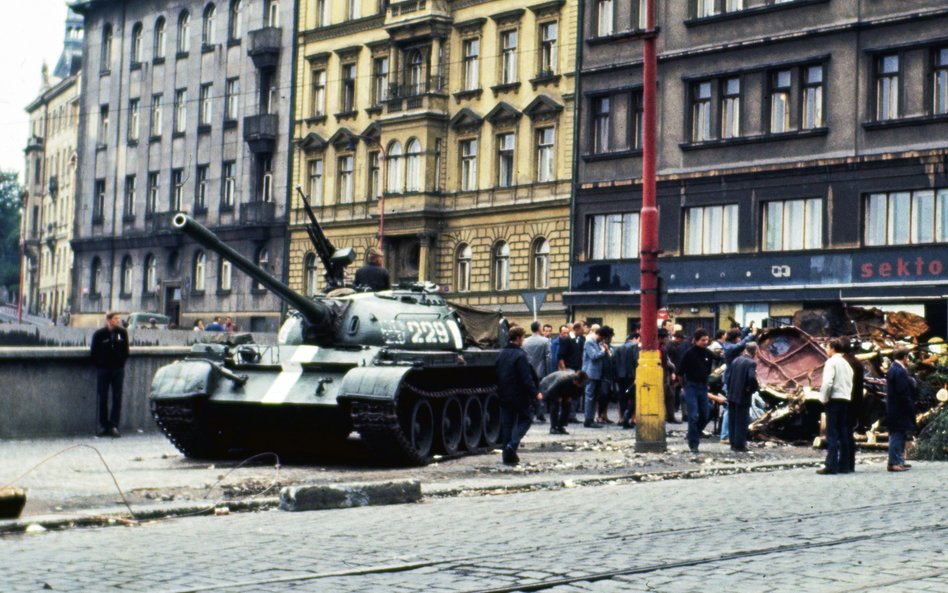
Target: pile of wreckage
{"x": 790, "y": 370}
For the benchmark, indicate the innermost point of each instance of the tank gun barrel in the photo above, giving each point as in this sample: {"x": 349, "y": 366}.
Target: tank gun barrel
{"x": 314, "y": 312}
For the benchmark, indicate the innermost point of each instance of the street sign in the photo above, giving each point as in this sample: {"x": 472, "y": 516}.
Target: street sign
{"x": 534, "y": 301}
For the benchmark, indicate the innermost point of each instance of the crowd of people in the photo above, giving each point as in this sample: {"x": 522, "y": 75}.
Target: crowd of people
{"x": 217, "y": 325}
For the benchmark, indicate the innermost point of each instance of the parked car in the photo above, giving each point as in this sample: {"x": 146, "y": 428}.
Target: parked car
{"x": 143, "y": 320}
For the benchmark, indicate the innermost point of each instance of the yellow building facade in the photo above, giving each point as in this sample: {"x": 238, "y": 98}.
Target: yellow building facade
{"x": 442, "y": 130}
{"x": 50, "y": 193}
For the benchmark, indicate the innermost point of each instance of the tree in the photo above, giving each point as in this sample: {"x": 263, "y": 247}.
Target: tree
{"x": 9, "y": 231}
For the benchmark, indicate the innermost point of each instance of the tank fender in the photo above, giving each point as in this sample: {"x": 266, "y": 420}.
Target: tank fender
{"x": 184, "y": 379}
{"x": 373, "y": 383}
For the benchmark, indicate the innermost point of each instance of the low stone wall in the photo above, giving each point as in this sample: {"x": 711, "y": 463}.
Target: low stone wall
{"x": 31, "y": 335}
{"x": 51, "y": 392}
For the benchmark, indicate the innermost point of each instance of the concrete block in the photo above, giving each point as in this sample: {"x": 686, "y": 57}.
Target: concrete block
{"x": 340, "y": 496}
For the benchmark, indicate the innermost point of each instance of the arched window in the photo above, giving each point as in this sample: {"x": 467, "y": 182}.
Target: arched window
{"x": 207, "y": 30}
{"x": 310, "y": 274}
{"x": 200, "y": 272}
{"x": 233, "y": 27}
{"x": 184, "y": 32}
{"x": 413, "y": 165}
{"x": 95, "y": 277}
{"x": 225, "y": 279}
{"x": 464, "y": 257}
{"x": 501, "y": 266}
{"x": 151, "y": 274}
{"x": 541, "y": 263}
{"x": 106, "y": 57}
{"x": 273, "y": 13}
{"x": 263, "y": 262}
{"x": 393, "y": 159}
{"x": 161, "y": 37}
{"x": 126, "y": 280}
{"x": 136, "y": 43}
{"x": 415, "y": 73}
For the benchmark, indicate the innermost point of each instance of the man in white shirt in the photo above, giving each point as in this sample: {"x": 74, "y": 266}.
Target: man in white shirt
{"x": 835, "y": 393}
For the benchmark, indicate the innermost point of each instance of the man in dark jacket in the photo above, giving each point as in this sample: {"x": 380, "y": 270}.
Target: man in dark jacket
{"x": 855, "y": 406}
{"x": 559, "y": 388}
{"x": 372, "y": 275}
{"x": 626, "y": 360}
{"x": 900, "y": 409}
{"x": 109, "y": 351}
{"x": 742, "y": 383}
{"x": 518, "y": 393}
{"x": 695, "y": 368}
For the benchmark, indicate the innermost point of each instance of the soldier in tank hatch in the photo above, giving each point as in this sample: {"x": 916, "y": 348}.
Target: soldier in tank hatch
{"x": 372, "y": 275}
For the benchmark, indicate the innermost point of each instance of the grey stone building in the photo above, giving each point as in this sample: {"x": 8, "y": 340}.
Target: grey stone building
{"x": 185, "y": 108}
{"x": 802, "y": 158}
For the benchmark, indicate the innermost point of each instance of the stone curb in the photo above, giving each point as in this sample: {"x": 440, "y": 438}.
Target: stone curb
{"x": 334, "y": 496}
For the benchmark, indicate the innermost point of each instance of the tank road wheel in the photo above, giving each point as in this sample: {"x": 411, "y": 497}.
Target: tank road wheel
{"x": 491, "y": 420}
{"x": 421, "y": 428}
{"x": 451, "y": 427}
{"x": 473, "y": 423}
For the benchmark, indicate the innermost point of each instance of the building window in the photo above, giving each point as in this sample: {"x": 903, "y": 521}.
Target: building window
{"x": 887, "y": 87}
{"x": 232, "y": 99}
{"x": 177, "y": 190}
{"x": 315, "y": 181}
{"x": 322, "y": 14}
{"x": 184, "y": 32}
{"x": 375, "y": 175}
{"x": 505, "y": 159}
{"x": 701, "y": 112}
{"x": 206, "y": 105}
{"x": 229, "y": 183}
{"x": 151, "y": 206}
{"x": 263, "y": 262}
{"x": 310, "y": 274}
{"x": 606, "y": 18}
{"x": 902, "y": 218}
{"x": 225, "y": 279}
{"x": 705, "y": 8}
{"x": 548, "y": 58}
{"x": 637, "y": 119}
{"x": 234, "y": 28}
{"x": 200, "y": 195}
{"x": 780, "y": 82}
{"x": 130, "y": 186}
{"x": 541, "y": 263}
{"x": 812, "y": 97}
{"x": 161, "y": 38}
{"x": 353, "y": 10}
{"x": 207, "y": 29}
{"x": 104, "y": 124}
{"x": 416, "y": 85}
{"x": 793, "y": 225}
{"x": 134, "y": 118}
{"x": 346, "y": 165}
{"x": 731, "y": 108}
{"x": 98, "y": 203}
{"x": 266, "y": 180}
{"x": 438, "y": 156}
{"x": 940, "y": 81}
{"x": 613, "y": 236}
{"x": 468, "y": 165}
{"x": 545, "y": 154}
{"x": 711, "y": 230}
{"x": 413, "y": 166}
{"x": 733, "y": 5}
{"x": 379, "y": 81}
{"x": 273, "y": 13}
{"x": 136, "y": 53}
{"x": 472, "y": 50}
{"x": 95, "y": 278}
{"x": 602, "y": 124}
{"x": 105, "y": 64}
{"x": 151, "y": 274}
{"x": 394, "y": 168}
{"x": 348, "y": 87}
{"x": 125, "y": 287}
{"x": 180, "y": 111}
{"x": 199, "y": 275}
{"x": 156, "y": 115}
{"x": 501, "y": 266}
{"x": 508, "y": 44}
{"x": 319, "y": 93}
{"x": 463, "y": 267}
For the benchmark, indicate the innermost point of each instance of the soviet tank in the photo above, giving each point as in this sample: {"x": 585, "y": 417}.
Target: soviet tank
{"x": 398, "y": 367}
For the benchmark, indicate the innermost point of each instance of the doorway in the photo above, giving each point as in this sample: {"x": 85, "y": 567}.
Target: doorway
{"x": 173, "y": 305}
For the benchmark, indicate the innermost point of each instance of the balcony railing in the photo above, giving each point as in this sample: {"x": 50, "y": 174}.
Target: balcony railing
{"x": 34, "y": 143}
{"x": 265, "y": 45}
{"x": 260, "y": 132}
{"x": 407, "y": 10}
{"x": 427, "y": 95}
{"x": 257, "y": 212}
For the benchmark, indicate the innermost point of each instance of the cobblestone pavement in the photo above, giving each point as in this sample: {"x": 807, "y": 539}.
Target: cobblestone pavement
{"x": 786, "y": 531}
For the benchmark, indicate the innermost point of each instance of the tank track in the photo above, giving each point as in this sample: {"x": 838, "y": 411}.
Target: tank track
{"x": 180, "y": 422}
{"x": 378, "y": 424}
